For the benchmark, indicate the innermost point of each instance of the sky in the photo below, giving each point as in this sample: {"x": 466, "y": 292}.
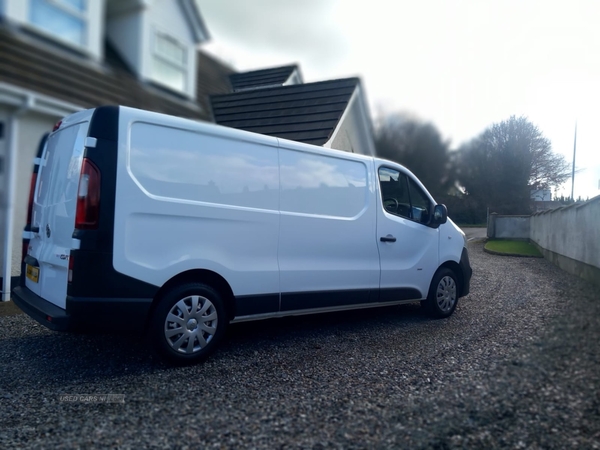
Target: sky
{"x": 460, "y": 64}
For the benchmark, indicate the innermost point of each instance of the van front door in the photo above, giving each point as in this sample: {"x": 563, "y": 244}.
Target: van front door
{"x": 408, "y": 247}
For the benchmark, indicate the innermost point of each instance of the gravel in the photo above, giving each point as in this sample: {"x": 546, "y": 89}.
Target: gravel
{"x": 516, "y": 366}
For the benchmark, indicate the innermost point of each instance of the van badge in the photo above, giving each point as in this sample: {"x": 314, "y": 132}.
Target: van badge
{"x": 48, "y": 233}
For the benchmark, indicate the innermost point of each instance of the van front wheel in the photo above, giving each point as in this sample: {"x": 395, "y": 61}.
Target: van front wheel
{"x": 188, "y": 323}
{"x": 443, "y": 294}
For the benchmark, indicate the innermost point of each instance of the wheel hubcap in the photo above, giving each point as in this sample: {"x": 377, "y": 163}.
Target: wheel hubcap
{"x": 446, "y": 294}
{"x": 191, "y": 324}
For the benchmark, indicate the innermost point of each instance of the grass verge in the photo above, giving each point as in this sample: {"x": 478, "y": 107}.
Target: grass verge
{"x": 512, "y": 248}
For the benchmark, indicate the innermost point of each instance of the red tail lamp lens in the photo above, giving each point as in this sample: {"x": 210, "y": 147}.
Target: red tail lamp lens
{"x": 88, "y": 197}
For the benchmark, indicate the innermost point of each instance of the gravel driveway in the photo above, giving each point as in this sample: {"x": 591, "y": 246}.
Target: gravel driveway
{"x": 516, "y": 366}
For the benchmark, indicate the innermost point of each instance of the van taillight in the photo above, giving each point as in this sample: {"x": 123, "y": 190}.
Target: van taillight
{"x": 88, "y": 197}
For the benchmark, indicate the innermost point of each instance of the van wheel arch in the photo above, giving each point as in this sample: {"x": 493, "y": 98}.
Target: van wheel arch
{"x": 208, "y": 277}
{"x": 454, "y": 267}
{"x": 444, "y": 292}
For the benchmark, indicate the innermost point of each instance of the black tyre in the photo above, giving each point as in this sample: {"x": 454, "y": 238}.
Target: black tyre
{"x": 443, "y": 294}
{"x": 188, "y": 323}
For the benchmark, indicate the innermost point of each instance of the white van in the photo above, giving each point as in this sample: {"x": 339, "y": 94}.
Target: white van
{"x": 142, "y": 221}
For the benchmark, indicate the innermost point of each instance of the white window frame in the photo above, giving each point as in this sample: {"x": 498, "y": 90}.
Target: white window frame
{"x": 183, "y": 67}
{"x": 84, "y": 16}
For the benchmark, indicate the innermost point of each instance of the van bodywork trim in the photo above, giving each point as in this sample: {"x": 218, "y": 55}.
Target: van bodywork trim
{"x": 467, "y": 272}
{"x": 94, "y": 276}
{"x": 258, "y": 305}
{"x": 40, "y": 309}
{"x": 302, "y": 312}
{"x": 246, "y": 305}
{"x": 291, "y": 301}
{"x": 126, "y": 314}
{"x": 97, "y": 313}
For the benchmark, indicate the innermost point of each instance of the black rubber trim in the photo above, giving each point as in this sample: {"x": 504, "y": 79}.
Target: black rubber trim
{"x": 118, "y": 314}
{"x": 467, "y": 271}
{"x": 398, "y": 294}
{"x": 31, "y": 261}
{"x": 104, "y": 126}
{"x": 105, "y": 123}
{"x": 94, "y": 276}
{"x": 40, "y": 150}
{"x": 39, "y": 309}
{"x": 249, "y": 305}
{"x": 291, "y": 301}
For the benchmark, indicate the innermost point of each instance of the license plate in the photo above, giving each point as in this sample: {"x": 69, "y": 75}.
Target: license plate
{"x": 33, "y": 273}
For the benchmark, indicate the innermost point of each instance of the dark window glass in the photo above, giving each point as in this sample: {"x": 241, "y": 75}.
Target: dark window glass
{"x": 402, "y": 197}
{"x": 421, "y": 205}
{"x": 394, "y": 192}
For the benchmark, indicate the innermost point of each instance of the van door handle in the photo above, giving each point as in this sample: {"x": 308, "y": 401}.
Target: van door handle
{"x": 388, "y": 238}
{"x": 35, "y": 230}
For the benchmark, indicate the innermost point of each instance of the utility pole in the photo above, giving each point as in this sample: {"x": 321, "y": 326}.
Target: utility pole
{"x": 573, "y": 171}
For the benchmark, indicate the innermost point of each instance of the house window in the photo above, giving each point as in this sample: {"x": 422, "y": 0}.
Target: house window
{"x": 169, "y": 62}
{"x": 66, "y": 19}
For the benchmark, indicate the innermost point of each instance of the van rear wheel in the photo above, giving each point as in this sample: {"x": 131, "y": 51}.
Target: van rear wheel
{"x": 443, "y": 294}
{"x": 188, "y": 323}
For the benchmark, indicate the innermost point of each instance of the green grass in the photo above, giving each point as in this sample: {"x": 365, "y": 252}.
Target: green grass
{"x": 519, "y": 248}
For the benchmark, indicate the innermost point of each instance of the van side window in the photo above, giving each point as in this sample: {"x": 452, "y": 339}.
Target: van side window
{"x": 394, "y": 192}
{"x": 421, "y": 205}
{"x": 402, "y": 197}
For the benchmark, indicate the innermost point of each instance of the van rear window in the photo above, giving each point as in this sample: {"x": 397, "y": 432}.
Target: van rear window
{"x": 61, "y": 164}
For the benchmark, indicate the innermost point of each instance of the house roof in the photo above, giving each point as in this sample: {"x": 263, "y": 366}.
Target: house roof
{"x": 193, "y": 16}
{"x": 255, "y": 79}
{"x": 38, "y": 65}
{"x": 306, "y": 113}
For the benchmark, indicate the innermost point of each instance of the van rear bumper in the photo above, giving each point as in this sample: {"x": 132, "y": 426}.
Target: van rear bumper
{"x": 121, "y": 314}
{"x": 46, "y": 313}
{"x": 467, "y": 272}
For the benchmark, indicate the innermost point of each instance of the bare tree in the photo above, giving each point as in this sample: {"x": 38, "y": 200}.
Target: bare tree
{"x": 509, "y": 159}
{"x": 418, "y": 146}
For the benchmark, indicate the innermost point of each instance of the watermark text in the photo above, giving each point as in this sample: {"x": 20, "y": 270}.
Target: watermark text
{"x": 92, "y": 398}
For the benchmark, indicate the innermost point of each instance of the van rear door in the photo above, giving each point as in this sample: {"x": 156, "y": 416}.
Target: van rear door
{"x": 54, "y": 210}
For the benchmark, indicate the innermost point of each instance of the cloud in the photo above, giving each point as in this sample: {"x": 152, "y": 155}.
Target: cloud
{"x": 284, "y": 30}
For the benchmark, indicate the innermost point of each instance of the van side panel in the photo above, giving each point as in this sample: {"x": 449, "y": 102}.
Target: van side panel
{"x": 196, "y": 196}
{"x": 328, "y": 252}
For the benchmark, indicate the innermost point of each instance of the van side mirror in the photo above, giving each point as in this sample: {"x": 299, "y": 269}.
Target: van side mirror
{"x": 440, "y": 215}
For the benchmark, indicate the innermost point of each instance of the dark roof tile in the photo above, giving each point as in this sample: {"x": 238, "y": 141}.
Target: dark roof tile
{"x": 261, "y": 78}
{"x": 304, "y": 112}
{"x": 33, "y": 63}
